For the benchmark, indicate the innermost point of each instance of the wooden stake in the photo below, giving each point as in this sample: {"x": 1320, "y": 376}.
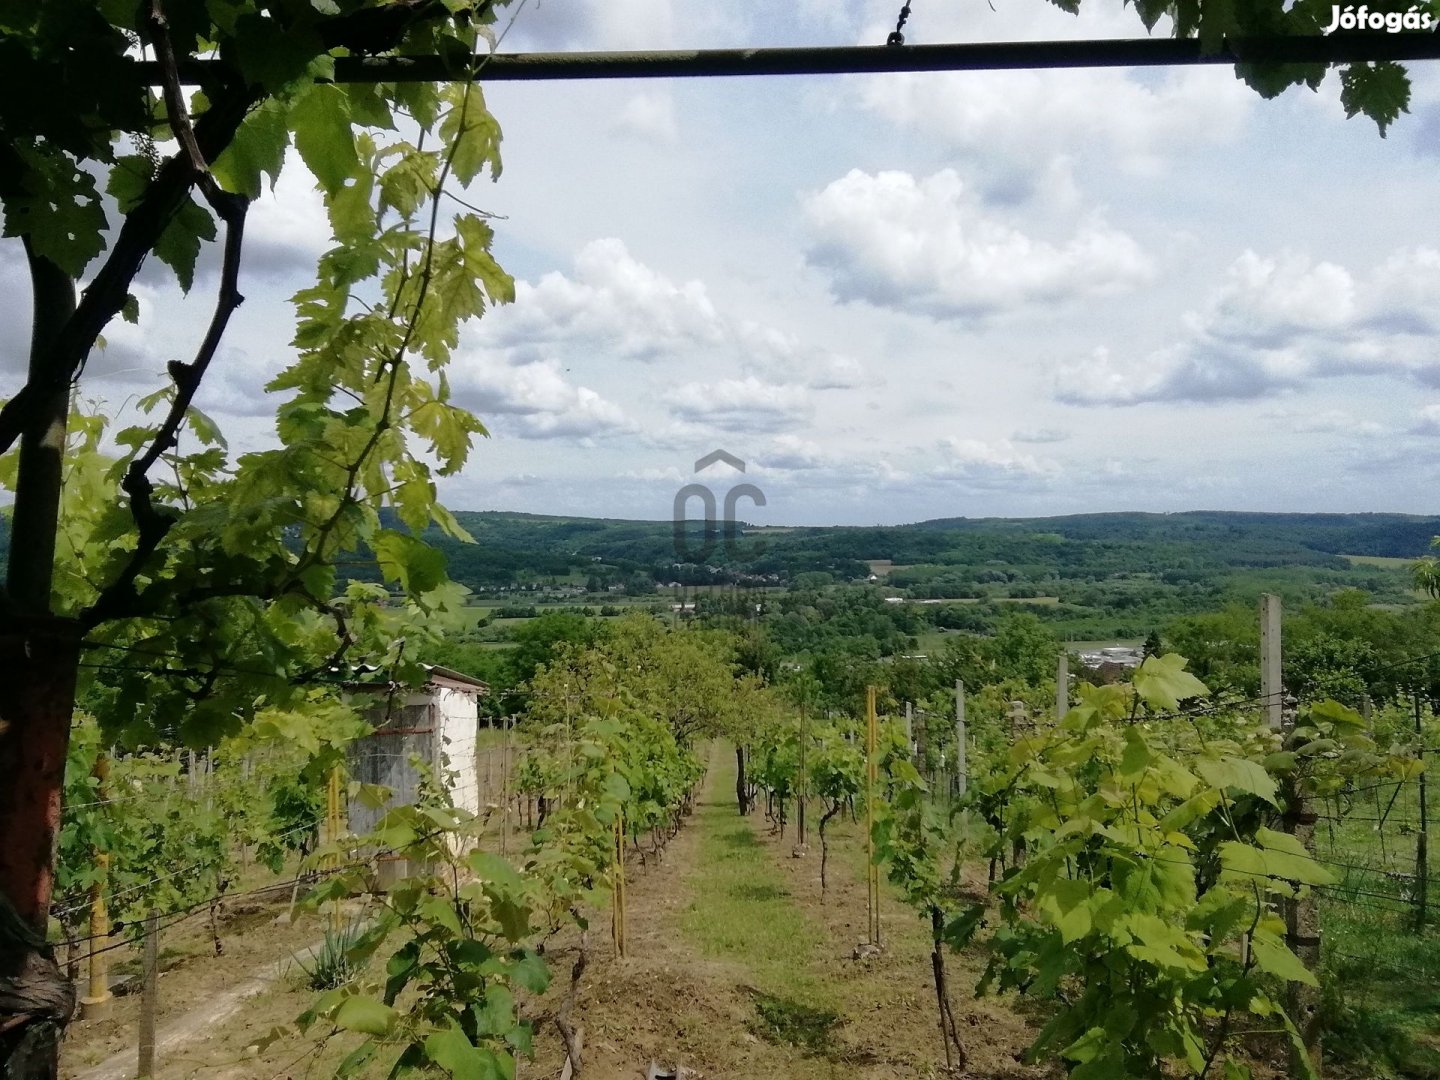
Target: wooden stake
{"x": 803, "y": 787}
{"x": 961, "y": 765}
{"x": 332, "y": 828}
{"x": 96, "y": 1004}
{"x": 872, "y": 876}
{"x": 1422, "y": 840}
{"x": 618, "y": 924}
{"x": 149, "y": 1004}
{"x": 1302, "y": 922}
{"x": 505, "y": 787}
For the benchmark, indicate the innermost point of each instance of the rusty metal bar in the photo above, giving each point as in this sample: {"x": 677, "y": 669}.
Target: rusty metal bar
{"x": 864, "y": 59}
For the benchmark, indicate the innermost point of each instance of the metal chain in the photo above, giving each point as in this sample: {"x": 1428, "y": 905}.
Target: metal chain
{"x": 898, "y": 38}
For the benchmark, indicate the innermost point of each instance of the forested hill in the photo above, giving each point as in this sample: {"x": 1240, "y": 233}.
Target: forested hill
{"x": 513, "y": 547}
{"x": 1393, "y": 535}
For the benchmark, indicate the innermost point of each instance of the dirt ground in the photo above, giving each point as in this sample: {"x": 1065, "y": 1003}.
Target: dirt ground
{"x": 667, "y": 1003}
{"x": 677, "y": 998}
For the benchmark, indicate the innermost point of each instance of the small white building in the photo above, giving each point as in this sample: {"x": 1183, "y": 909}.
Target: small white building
{"x": 438, "y": 723}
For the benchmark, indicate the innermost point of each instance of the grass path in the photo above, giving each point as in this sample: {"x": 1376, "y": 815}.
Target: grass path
{"x": 741, "y": 910}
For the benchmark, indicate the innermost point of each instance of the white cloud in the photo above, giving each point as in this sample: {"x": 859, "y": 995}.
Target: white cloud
{"x": 793, "y": 453}
{"x": 649, "y": 116}
{"x": 613, "y": 301}
{"x": 1041, "y": 435}
{"x": 1275, "y": 324}
{"x": 1427, "y": 421}
{"x": 746, "y": 404}
{"x": 616, "y": 307}
{"x": 925, "y": 246}
{"x": 534, "y": 400}
{"x": 1326, "y": 422}
{"x": 285, "y": 230}
{"x": 1021, "y": 118}
{"x": 976, "y": 465}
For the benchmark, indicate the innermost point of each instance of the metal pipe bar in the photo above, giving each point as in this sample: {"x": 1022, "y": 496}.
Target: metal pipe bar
{"x": 868, "y": 59}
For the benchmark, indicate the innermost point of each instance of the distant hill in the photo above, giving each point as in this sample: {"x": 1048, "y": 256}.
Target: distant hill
{"x": 513, "y": 547}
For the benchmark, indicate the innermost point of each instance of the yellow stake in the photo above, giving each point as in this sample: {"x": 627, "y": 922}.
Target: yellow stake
{"x": 96, "y": 1004}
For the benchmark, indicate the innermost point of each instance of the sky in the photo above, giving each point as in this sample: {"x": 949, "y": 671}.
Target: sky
{"x": 901, "y": 297}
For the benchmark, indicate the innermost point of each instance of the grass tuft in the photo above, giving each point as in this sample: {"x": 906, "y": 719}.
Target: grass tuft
{"x": 783, "y": 1020}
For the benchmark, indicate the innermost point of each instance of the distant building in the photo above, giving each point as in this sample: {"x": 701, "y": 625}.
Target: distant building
{"x": 1115, "y": 656}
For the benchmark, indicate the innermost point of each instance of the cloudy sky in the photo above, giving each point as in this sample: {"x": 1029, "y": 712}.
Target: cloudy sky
{"x": 899, "y": 297}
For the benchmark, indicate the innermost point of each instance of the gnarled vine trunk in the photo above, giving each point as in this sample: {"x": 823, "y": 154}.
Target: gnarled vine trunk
{"x": 741, "y": 789}
{"x": 955, "y": 1056}
{"x": 36, "y": 998}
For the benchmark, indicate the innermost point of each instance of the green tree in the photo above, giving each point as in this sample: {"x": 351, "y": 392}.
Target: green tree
{"x": 197, "y": 584}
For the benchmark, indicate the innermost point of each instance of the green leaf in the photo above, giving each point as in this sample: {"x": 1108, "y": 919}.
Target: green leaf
{"x": 490, "y": 867}
{"x": 1343, "y": 718}
{"x": 1162, "y": 943}
{"x": 179, "y": 245}
{"x": 257, "y": 149}
{"x": 1380, "y": 90}
{"x": 1217, "y": 22}
{"x": 453, "y": 1052}
{"x": 1162, "y": 682}
{"x": 357, "y": 1059}
{"x": 324, "y": 136}
{"x": 513, "y": 917}
{"x": 1278, "y": 856}
{"x": 206, "y": 430}
{"x": 59, "y": 210}
{"x": 530, "y": 972}
{"x": 1238, "y": 774}
{"x": 1066, "y": 904}
{"x": 411, "y": 563}
{"x": 365, "y": 1015}
{"x": 129, "y": 180}
{"x": 1273, "y": 956}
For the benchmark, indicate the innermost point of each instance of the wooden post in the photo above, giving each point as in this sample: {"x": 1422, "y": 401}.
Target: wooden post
{"x": 505, "y": 786}
{"x": 617, "y": 923}
{"x": 1272, "y": 690}
{"x": 96, "y": 1004}
{"x": 872, "y": 876}
{"x": 910, "y": 730}
{"x": 150, "y": 979}
{"x": 1062, "y": 685}
{"x": 332, "y": 828}
{"x": 1302, "y": 919}
{"x": 803, "y": 787}
{"x": 1367, "y": 710}
{"x": 1422, "y": 840}
{"x": 961, "y": 779}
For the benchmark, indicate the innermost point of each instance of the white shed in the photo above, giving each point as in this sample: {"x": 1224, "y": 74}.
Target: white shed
{"x": 438, "y": 722}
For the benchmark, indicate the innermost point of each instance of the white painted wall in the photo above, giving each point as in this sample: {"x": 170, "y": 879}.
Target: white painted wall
{"x": 459, "y": 728}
